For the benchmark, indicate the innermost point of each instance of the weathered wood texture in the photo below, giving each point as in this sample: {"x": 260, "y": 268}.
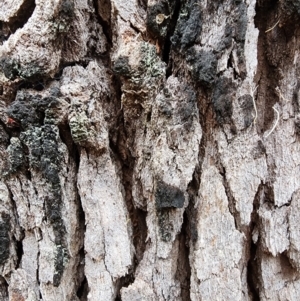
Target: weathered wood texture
{"x": 149, "y": 150}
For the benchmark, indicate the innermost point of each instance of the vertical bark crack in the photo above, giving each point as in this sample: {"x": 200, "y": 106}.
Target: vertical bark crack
{"x": 252, "y": 273}
{"x": 137, "y": 216}
{"x": 231, "y": 200}
{"x": 103, "y": 12}
{"x": 252, "y": 248}
{"x": 3, "y": 289}
{"x": 183, "y": 272}
{"x": 167, "y": 41}
{"x": 271, "y": 48}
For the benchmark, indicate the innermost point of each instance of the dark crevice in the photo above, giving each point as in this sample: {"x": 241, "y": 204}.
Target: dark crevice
{"x": 139, "y": 228}
{"x": 66, "y": 137}
{"x": 37, "y": 85}
{"x": 20, "y": 252}
{"x": 82, "y": 291}
{"x": 3, "y": 289}
{"x": 143, "y": 4}
{"x": 18, "y": 243}
{"x": 183, "y": 272}
{"x": 287, "y": 267}
{"x": 125, "y": 281}
{"x": 83, "y": 63}
{"x": 17, "y": 21}
{"x": 167, "y": 42}
{"x": 252, "y": 265}
{"x": 274, "y": 53}
{"x": 137, "y": 216}
{"x": 190, "y": 213}
{"x": 82, "y": 284}
{"x": 252, "y": 273}
{"x": 121, "y": 153}
{"x": 140, "y": 233}
{"x": 5, "y": 134}
{"x": 231, "y": 200}
{"x": 37, "y": 271}
{"x": 268, "y": 194}
{"x": 134, "y": 28}
{"x": 4, "y": 32}
{"x": 81, "y": 214}
{"x": 229, "y": 61}
{"x": 103, "y": 12}
{"x": 26, "y": 168}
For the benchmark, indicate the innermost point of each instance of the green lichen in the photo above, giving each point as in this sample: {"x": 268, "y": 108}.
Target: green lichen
{"x": 31, "y": 72}
{"x": 62, "y": 22}
{"x": 61, "y": 259}
{"x": 41, "y": 139}
{"x": 5, "y": 229}
{"x": 78, "y": 125}
{"x": 150, "y": 62}
{"x": 12, "y": 68}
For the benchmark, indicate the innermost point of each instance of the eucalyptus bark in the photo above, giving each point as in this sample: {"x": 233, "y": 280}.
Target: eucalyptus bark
{"x": 149, "y": 150}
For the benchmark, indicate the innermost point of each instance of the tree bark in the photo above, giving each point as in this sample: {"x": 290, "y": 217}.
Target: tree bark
{"x": 149, "y": 150}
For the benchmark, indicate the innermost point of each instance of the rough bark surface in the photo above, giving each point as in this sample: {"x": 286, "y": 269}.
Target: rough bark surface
{"x": 149, "y": 150}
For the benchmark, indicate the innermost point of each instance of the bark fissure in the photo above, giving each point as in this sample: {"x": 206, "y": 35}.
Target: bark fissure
{"x": 17, "y": 21}
{"x": 252, "y": 273}
{"x": 3, "y": 288}
{"x": 185, "y": 237}
{"x": 252, "y": 246}
{"x": 103, "y": 12}
{"x": 231, "y": 200}
{"x": 167, "y": 41}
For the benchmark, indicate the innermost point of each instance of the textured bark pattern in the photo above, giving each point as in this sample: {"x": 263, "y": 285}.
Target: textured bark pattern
{"x": 149, "y": 150}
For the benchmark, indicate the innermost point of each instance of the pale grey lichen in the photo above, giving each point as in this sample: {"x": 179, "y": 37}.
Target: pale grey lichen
{"x": 15, "y": 154}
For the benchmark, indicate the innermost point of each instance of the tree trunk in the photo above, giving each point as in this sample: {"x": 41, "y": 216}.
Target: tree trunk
{"x": 149, "y": 150}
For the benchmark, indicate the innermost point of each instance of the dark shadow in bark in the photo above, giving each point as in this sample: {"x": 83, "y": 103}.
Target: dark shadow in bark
{"x": 17, "y": 21}
{"x": 20, "y": 252}
{"x": 103, "y": 13}
{"x": 231, "y": 199}
{"x": 66, "y": 137}
{"x": 82, "y": 291}
{"x": 268, "y": 194}
{"x": 58, "y": 74}
{"x": 276, "y": 46}
{"x": 125, "y": 281}
{"x": 3, "y": 289}
{"x": 167, "y": 42}
{"x": 252, "y": 248}
{"x": 252, "y": 273}
{"x": 119, "y": 150}
{"x": 289, "y": 272}
{"x": 137, "y": 216}
{"x": 190, "y": 212}
{"x": 183, "y": 272}
{"x": 37, "y": 85}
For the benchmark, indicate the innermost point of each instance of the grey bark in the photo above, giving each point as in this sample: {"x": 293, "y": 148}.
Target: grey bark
{"x": 149, "y": 150}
